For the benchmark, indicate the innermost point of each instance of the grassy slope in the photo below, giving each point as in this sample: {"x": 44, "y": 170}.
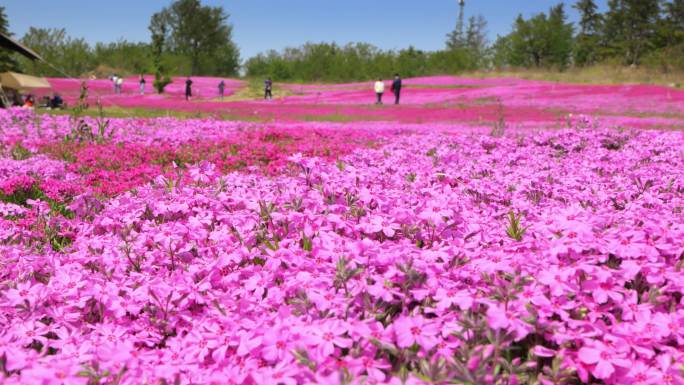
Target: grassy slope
{"x": 599, "y": 74}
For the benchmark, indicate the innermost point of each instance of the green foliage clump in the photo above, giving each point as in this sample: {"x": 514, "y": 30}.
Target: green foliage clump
{"x": 630, "y": 32}
{"x": 543, "y": 41}
{"x": 7, "y": 61}
{"x": 358, "y": 61}
{"x": 199, "y": 33}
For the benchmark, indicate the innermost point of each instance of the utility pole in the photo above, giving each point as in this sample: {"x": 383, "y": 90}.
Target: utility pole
{"x": 460, "y": 26}
{"x": 456, "y": 38}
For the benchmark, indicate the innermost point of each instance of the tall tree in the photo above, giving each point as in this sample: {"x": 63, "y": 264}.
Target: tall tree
{"x": 559, "y": 37}
{"x": 590, "y": 18}
{"x": 524, "y": 49}
{"x": 159, "y": 37}
{"x": 502, "y": 51}
{"x": 588, "y": 39}
{"x": 642, "y": 18}
{"x": 201, "y": 33}
{"x": 476, "y": 36}
{"x": 7, "y": 62}
{"x": 542, "y": 41}
{"x": 631, "y": 27}
{"x": 673, "y": 23}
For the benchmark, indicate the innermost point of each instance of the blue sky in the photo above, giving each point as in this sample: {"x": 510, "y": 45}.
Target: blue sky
{"x": 264, "y": 24}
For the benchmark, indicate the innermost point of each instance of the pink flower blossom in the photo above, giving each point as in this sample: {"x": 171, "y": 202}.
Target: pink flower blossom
{"x": 604, "y": 359}
{"x": 416, "y": 330}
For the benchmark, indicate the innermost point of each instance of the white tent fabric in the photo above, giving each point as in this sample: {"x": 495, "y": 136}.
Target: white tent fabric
{"x": 22, "y": 82}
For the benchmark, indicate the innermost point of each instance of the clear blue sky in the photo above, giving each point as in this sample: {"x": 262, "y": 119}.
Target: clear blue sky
{"x": 260, "y": 25}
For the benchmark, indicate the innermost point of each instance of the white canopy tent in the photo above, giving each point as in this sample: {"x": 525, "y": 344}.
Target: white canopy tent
{"x": 21, "y": 82}
{"x": 17, "y": 84}
{"x": 15, "y": 81}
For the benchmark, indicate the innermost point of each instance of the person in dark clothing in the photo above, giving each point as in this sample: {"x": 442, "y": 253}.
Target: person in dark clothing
{"x": 396, "y": 88}
{"x": 221, "y": 88}
{"x": 188, "y": 89}
{"x": 268, "y": 89}
{"x": 142, "y": 84}
{"x": 56, "y": 102}
{"x": 83, "y": 91}
{"x": 83, "y": 96}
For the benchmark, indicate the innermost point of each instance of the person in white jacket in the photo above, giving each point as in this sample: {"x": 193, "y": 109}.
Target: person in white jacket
{"x": 379, "y": 90}
{"x": 119, "y": 84}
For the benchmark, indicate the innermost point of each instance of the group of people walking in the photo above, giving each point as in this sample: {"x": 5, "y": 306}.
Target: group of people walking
{"x": 395, "y": 89}
{"x": 379, "y": 88}
{"x": 117, "y": 82}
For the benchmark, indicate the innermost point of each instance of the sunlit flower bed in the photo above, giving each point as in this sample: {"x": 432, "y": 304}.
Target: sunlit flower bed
{"x": 423, "y": 254}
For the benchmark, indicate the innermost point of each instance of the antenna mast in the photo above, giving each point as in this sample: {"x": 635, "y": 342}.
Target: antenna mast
{"x": 460, "y": 25}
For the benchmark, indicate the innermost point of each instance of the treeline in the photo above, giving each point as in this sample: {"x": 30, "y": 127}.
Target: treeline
{"x": 187, "y": 39}
{"x": 331, "y": 62}
{"x": 75, "y": 57}
{"x": 467, "y": 50}
{"x": 630, "y": 32}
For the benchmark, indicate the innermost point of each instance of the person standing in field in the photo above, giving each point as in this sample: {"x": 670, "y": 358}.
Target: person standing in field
{"x": 114, "y": 79}
{"x": 119, "y": 84}
{"x": 396, "y": 88}
{"x": 142, "y": 84}
{"x": 221, "y": 88}
{"x": 268, "y": 89}
{"x": 84, "y": 91}
{"x": 83, "y": 95}
{"x": 379, "y": 90}
{"x": 188, "y": 89}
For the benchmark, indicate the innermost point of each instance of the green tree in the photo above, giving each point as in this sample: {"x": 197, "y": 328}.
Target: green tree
{"x": 668, "y": 44}
{"x": 612, "y": 36}
{"x": 630, "y": 29}
{"x": 66, "y": 55}
{"x": 200, "y": 33}
{"x": 559, "y": 39}
{"x": 449, "y": 62}
{"x": 527, "y": 42}
{"x": 124, "y": 56}
{"x": 158, "y": 28}
{"x": 587, "y": 44}
{"x": 7, "y": 60}
{"x": 476, "y": 39}
{"x": 502, "y": 51}
{"x": 410, "y": 62}
{"x": 673, "y": 23}
{"x": 542, "y": 41}
{"x": 353, "y": 62}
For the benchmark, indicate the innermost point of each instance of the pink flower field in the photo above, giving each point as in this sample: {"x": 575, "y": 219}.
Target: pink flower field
{"x": 488, "y": 231}
{"x": 443, "y": 99}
